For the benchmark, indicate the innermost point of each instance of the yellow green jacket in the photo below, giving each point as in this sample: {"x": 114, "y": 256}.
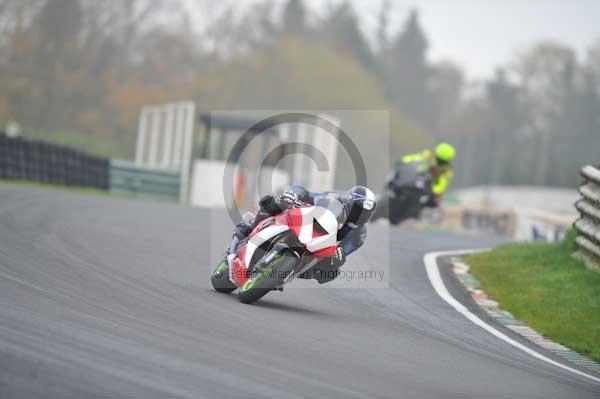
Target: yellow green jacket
{"x": 425, "y": 162}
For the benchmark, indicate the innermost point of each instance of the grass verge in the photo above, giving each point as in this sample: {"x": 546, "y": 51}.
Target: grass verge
{"x": 543, "y": 286}
{"x": 83, "y": 190}
{"x": 34, "y": 184}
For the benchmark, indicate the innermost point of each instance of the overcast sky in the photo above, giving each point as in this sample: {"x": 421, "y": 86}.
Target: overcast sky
{"x": 480, "y": 34}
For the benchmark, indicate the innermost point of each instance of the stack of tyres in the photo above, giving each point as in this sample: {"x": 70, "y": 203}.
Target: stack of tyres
{"x": 9, "y": 160}
{"x": 16, "y": 159}
{"x": 70, "y": 165}
{"x": 39, "y": 161}
{"x": 32, "y": 162}
{"x": 3, "y": 156}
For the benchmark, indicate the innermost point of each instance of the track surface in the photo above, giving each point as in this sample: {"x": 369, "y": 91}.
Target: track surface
{"x": 108, "y": 298}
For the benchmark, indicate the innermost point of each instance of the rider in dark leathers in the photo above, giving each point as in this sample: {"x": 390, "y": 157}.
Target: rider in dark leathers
{"x": 359, "y": 205}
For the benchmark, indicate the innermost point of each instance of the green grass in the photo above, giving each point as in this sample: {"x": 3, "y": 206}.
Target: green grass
{"x": 543, "y": 286}
{"x": 83, "y": 190}
{"x": 34, "y": 184}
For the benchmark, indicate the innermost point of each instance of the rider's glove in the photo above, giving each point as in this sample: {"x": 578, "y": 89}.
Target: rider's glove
{"x": 339, "y": 259}
{"x": 269, "y": 206}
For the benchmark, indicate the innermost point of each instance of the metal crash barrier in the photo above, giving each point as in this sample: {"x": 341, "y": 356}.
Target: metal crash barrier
{"x": 588, "y": 225}
{"x": 131, "y": 180}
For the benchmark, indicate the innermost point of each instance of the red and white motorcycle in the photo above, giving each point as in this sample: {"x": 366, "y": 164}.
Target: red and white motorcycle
{"x": 280, "y": 248}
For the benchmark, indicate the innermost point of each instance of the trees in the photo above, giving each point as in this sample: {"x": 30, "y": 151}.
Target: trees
{"x": 294, "y": 18}
{"x": 88, "y": 66}
{"x": 406, "y": 71}
{"x": 539, "y": 119}
{"x": 66, "y": 63}
{"x": 340, "y": 31}
{"x": 444, "y": 94}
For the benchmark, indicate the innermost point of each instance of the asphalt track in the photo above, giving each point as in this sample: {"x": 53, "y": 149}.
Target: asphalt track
{"x": 110, "y": 298}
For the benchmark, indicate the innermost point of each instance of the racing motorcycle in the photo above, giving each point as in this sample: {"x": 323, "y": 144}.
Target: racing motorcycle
{"x": 406, "y": 194}
{"x": 279, "y": 249}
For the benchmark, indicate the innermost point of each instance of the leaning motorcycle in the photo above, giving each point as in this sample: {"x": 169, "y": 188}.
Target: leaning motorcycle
{"x": 279, "y": 249}
{"x": 405, "y": 195}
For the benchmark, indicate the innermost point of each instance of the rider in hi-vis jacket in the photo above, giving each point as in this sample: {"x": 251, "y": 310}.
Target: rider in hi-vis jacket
{"x": 438, "y": 165}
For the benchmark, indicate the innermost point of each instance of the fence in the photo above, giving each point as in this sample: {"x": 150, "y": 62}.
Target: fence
{"x": 127, "y": 178}
{"x": 22, "y": 159}
{"x": 588, "y": 225}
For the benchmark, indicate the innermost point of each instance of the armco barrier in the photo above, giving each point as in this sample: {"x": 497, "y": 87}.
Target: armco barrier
{"x": 588, "y": 225}
{"x": 22, "y": 159}
{"x": 127, "y": 178}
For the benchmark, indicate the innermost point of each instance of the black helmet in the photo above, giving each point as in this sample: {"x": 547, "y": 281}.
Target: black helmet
{"x": 359, "y": 205}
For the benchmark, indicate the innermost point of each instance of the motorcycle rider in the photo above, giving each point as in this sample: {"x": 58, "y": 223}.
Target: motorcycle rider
{"x": 358, "y": 204}
{"x": 436, "y": 163}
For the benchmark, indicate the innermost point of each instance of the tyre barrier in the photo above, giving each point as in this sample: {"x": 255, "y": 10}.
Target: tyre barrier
{"x": 23, "y": 159}
{"x": 588, "y": 225}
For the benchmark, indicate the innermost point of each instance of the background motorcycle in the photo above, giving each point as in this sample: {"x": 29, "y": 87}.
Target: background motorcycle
{"x": 280, "y": 248}
{"x": 406, "y": 194}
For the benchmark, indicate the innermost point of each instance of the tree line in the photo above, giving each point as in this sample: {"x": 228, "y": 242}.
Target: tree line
{"x": 79, "y": 70}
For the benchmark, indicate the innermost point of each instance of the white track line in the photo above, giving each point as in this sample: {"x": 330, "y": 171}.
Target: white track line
{"x": 435, "y": 278}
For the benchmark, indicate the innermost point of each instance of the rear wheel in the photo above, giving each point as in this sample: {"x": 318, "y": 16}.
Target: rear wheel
{"x": 269, "y": 278}
{"x": 220, "y": 278}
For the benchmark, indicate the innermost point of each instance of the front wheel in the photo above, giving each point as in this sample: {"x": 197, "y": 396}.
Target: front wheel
{"x": 220, "y": 278}
{"x": 271, "y": 277}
